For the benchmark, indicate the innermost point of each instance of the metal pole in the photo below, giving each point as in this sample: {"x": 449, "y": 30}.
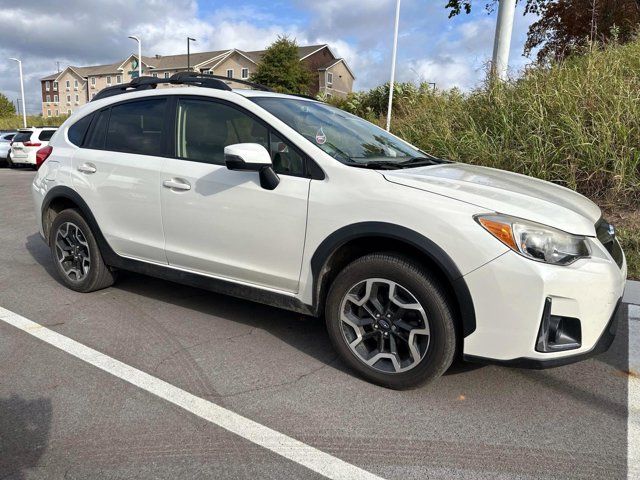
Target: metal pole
{"x": 502, "y": 41}
{"x": 393, "y": 64}
{"x": 24, "y": 108}
{"x": 133, "y": 37}
{"x": 189, "y": 40}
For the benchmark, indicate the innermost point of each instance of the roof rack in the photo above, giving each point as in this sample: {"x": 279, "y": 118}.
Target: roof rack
{"x": 217, "y": 82}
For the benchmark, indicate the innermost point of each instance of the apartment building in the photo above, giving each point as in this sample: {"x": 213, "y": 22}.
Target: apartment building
{"x": 65, "y": 91}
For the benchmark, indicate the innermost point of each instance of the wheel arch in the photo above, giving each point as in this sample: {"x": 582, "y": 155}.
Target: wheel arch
{"x": 353, "y": 241}
{"x": 60, "y": 198}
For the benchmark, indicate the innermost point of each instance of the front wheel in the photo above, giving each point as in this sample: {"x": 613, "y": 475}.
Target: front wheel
{"x": 390, "y": 320}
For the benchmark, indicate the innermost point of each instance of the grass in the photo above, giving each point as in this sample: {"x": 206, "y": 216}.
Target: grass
{"x": 14, "y": 122}
{"x": 576, "y": 123}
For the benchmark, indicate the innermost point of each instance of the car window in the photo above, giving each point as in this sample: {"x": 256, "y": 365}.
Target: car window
{"x": 45, "y": 135}
{"x": 7, "y": 137}
{"x": 206, "y": 127}
{"x": 78, "y": 130}
{"x": 95, "y": 137}
{"x": 286, "y": 160}
{"x": 22, "y": 137}
{"x": 137, "y": 127}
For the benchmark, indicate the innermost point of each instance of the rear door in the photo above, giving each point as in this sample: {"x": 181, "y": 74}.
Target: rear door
{"x": 19, "y": 151}
{"x": 117, "y": 173}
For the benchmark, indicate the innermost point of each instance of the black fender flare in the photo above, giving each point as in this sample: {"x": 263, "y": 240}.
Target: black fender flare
{"x": 418, "y": 241}
{"x": 61, "y": 191}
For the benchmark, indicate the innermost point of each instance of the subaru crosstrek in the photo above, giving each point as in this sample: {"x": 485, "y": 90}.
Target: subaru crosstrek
{"x": 411, "y": 259}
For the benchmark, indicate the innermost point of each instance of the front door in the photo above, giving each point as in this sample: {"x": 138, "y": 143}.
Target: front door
{"x": 222, "y": 222}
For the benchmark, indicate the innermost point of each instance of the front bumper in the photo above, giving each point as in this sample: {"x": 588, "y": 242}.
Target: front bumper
{"x": 509, "y": 297}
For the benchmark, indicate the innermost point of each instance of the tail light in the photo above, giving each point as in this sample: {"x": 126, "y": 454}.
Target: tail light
{"x": 43, "y": 154}
{"x": 32, "y": 144}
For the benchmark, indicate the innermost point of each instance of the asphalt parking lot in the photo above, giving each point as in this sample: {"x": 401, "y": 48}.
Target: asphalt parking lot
{"x": 61, "y": 417}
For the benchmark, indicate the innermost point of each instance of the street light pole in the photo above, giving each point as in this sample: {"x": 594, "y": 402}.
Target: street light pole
{"x": 24, "y": 109}
{"x": 189, "y": 40}
{"x": 502, "y": 41}
{"x": 133, "y": 37}
{"x": 393, "y": 64}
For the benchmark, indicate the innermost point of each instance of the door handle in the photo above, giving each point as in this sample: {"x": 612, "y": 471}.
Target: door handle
{"x": 176, "y": 184}
{"x": 87, "y": 168}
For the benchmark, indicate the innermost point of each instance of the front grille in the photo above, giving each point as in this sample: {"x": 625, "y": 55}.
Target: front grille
{"x": 607, "y": 236}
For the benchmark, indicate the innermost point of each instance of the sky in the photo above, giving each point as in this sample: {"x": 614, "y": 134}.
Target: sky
{"x": 431, "y": 47}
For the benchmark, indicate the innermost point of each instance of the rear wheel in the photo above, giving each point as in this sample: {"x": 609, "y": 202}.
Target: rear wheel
{"x": 76, "y": 255}
{"x": 10, "y": 164}
{"x": 390, "y": 320}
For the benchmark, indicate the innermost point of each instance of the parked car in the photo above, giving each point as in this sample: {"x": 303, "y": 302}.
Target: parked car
{"x": 411, "y": 259}
{"x": 5, "y": 146}
{"x": 27, "y": 142}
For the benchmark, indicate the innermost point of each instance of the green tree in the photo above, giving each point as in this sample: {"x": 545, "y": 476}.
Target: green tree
{"x": 564, "y": 27}
{"x": 6, "y": 107}
{"x": 280, "y": 68}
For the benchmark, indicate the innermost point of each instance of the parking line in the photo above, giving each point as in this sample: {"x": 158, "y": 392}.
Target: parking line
{"x": 290, "y": 448}
{"x": 633, "y": 405}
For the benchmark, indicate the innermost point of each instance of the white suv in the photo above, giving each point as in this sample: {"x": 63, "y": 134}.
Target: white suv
{"x": 26, "y": 143}
{"x": 287, "y": 201}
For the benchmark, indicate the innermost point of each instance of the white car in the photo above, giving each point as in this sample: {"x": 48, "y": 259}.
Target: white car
{"x": 27, "y": 142}
{"x": 287, "y": 201}
{"x": 5, "y": 145}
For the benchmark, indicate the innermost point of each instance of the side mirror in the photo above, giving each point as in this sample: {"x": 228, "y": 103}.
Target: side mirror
{"x": 252, "y": 157}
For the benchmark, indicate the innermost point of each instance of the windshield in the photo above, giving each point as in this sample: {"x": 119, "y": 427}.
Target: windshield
{"x": 347, "y": 138}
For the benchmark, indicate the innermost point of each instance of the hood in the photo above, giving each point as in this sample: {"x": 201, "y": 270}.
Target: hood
{"x": 505, "y": 192}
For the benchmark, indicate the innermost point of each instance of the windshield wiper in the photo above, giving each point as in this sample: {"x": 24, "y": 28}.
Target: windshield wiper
{"x": 376, "y": 165}
{"x": 421, "y": 162}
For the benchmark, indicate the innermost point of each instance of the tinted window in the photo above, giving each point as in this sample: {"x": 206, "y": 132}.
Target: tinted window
{"x": 137, "y": 127}
{"x": 98, "y": 130}
{"x": 78, "y": 130}
{"x": 22, "y": 137}
{"x": 205, "y": 128}
{"x": 7, "y": 137}
{"x": 45, "y": 135}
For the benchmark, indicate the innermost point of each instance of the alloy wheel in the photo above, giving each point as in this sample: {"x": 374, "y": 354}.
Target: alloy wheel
{"x": 72, "y": 251}
{"x": 384, "y": 325}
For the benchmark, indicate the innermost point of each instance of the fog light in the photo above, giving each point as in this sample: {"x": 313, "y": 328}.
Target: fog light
{"x": 558, "y": 333}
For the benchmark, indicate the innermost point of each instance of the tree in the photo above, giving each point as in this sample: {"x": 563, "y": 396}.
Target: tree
{"x": 564, "y": 27}
{"x": 6, "y": 107}
{"x": 280, "y": 68}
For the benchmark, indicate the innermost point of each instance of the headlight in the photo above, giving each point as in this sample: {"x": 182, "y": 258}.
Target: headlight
{"x": 535, "y": 241}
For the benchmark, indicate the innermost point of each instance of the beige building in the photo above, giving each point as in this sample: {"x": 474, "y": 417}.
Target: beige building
{"x": 65, "y": 91}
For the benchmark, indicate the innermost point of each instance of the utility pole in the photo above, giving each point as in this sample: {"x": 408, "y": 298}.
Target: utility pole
{"x": 24, "y": 109}
{"x": 393, "y": 64}
{"x": 189, "y": 40}
{"x": 133, "y": 37}
{"x": 502, "y": 42}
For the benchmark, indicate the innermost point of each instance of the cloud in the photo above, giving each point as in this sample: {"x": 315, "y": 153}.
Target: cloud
{"x": 87, "y": 32}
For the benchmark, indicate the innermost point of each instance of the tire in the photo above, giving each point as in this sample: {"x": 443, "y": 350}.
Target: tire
{"x": 69, "y": 230}
{"x": 10, "y": 164}
{"x": 433, "y": 345}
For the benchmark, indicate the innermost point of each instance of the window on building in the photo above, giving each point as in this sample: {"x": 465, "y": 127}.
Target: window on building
{"x": 68, "y": 84}
{"x": 118, "y": 78}
{"x": 245, "y": 73}
{"x": 108, "y": 79}
{"x": 68, "y": 111}
{"x": 154, "y": 75}
{"x": 55, "y": 98}
{"x": 166, "y": 74}
{"x": 77, "y": 98}
{"x": 230, "y": 73}
{"x": 93, "y": 80}
{"x": 55, "y": 85}
{"x": 75, "y": 84}
{"x": 78, "y": 130}
{"x": 47, "y": 85}
{"x": 57, "y": 113}
{"x": 48, "y": 113}
{"x": 137, "y": 127}
{"x": 68, "y": 98}
{"x": 329, "y": 79}
{"x": 48, "y": 98}
{"x": 207, "y": 72}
